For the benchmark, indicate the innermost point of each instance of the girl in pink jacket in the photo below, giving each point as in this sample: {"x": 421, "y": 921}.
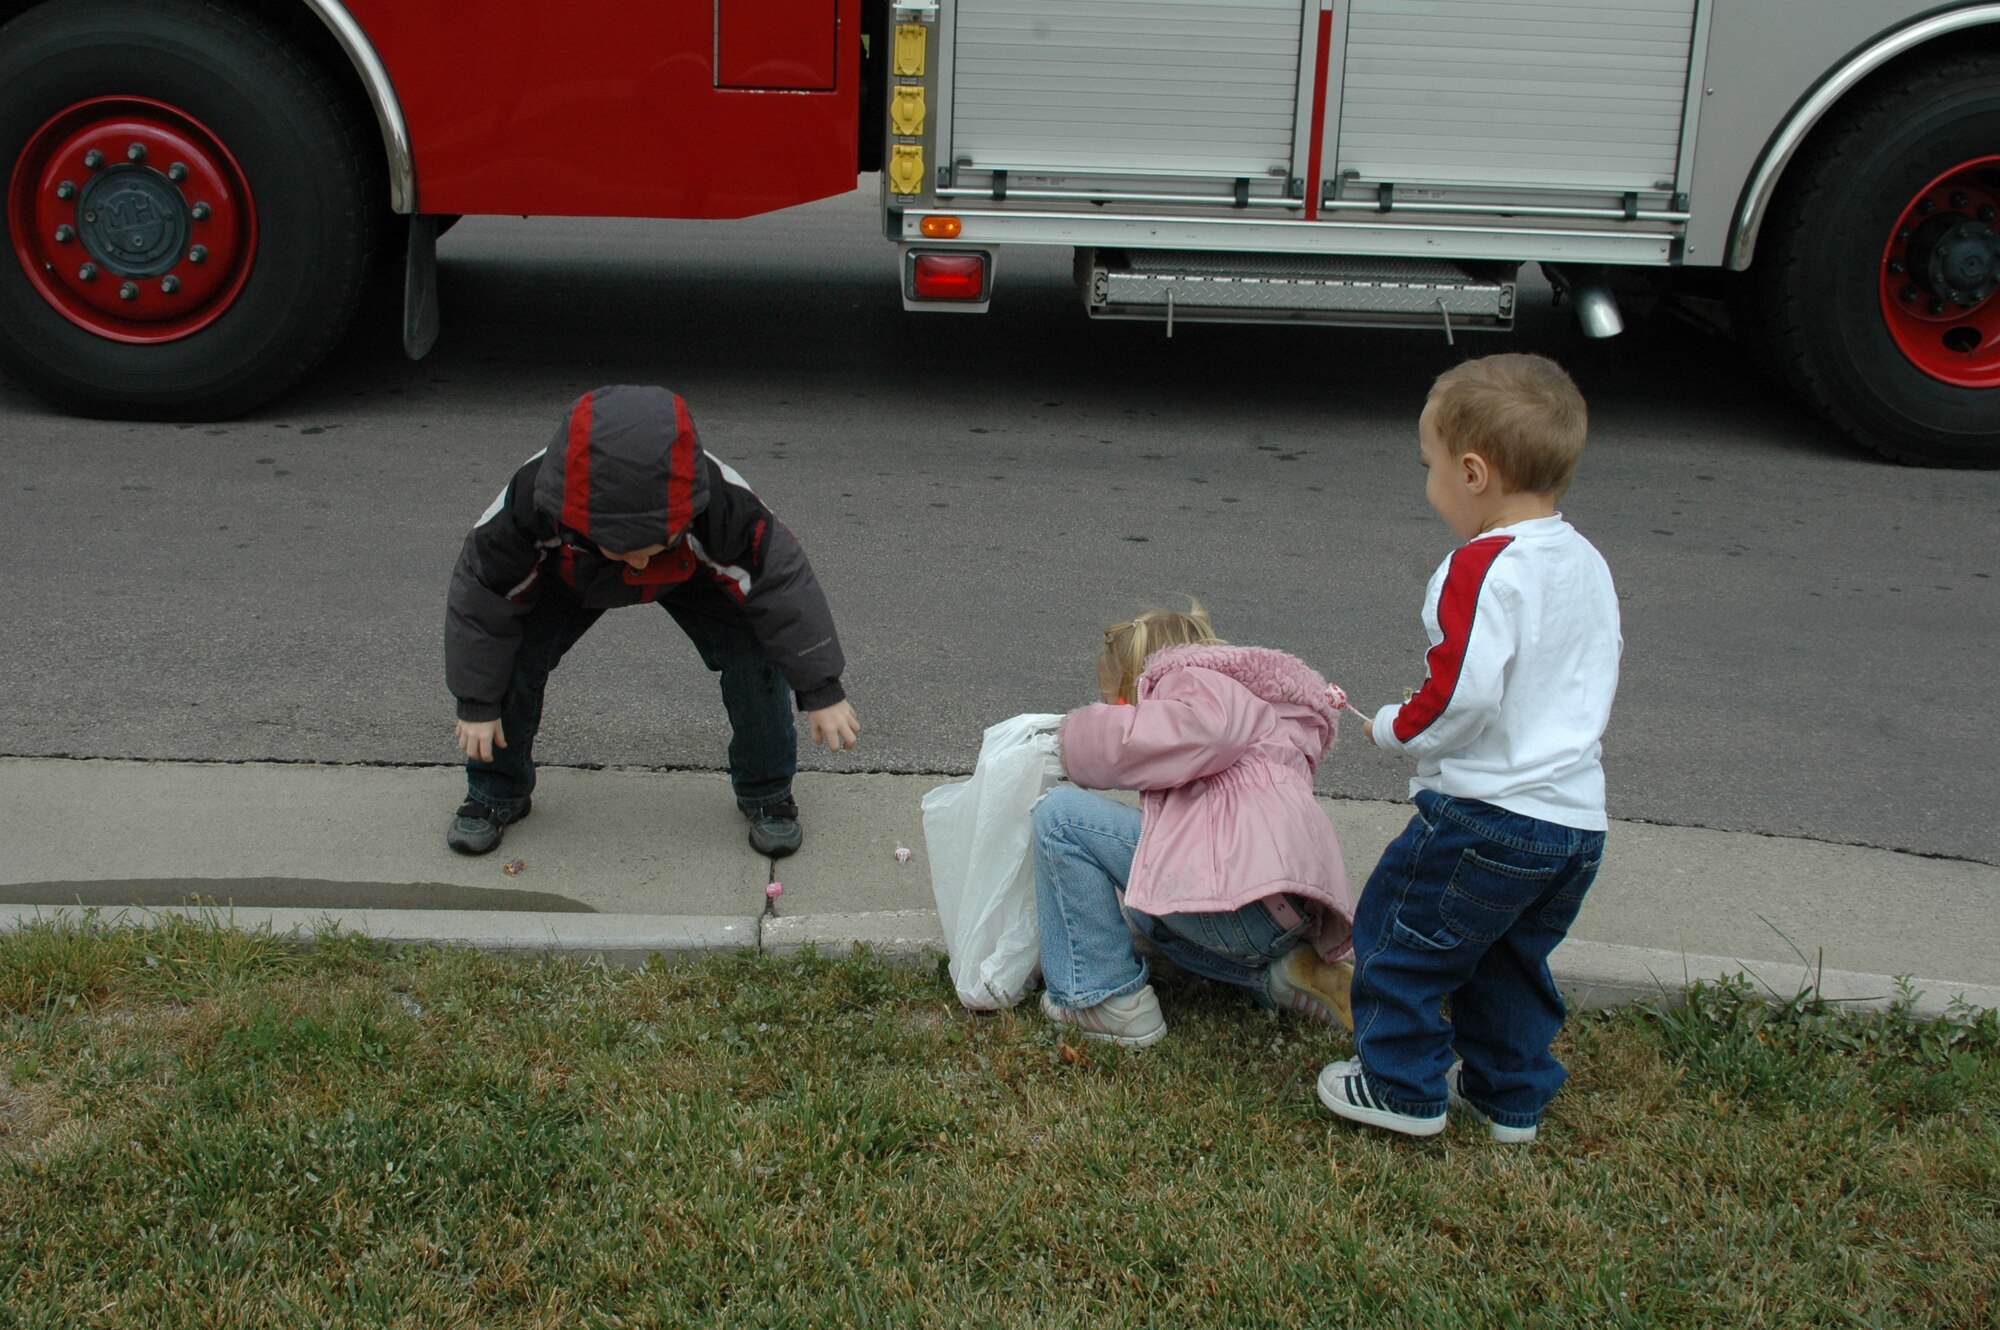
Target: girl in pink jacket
{"x": 1229, "y": 867}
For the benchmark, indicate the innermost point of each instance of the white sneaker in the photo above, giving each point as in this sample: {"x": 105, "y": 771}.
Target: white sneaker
{"x": 1301, "y": 983}
{"x": 1505, "y": 1135}
{"x": 1344, "y": 1090}
{"x": 1131, "y": 1021}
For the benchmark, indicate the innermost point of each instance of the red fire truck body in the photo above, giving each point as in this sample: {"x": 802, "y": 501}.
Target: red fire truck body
{"x": 608, "y": 108}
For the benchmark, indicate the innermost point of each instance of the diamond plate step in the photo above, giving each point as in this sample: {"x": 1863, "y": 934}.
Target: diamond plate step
{"x": 1258, "y": 288}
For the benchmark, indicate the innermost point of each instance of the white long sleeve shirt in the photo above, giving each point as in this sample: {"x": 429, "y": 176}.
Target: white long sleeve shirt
{"x": 1523, "y": 623}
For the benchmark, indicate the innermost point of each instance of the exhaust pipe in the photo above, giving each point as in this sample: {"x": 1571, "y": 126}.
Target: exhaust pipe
{"x": 1590, "y": 289}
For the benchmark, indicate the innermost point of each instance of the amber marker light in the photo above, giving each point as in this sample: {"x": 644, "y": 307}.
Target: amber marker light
{"x": 941, "y": 228}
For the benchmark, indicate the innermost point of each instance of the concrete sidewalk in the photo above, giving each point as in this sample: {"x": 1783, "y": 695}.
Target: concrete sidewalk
{"x": 625, "y": 863}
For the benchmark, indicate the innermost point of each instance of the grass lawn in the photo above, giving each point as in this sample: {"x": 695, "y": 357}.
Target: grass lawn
{"x": 206, "y": 1128}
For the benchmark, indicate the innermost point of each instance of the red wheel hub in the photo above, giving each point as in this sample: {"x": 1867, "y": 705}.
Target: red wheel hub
{"x": 1941, "y": 277}
{"x": 132, "y": 219}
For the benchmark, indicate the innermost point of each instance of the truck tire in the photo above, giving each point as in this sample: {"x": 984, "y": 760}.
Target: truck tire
{"x": 188, "y": 205}
{"x": 1877, "y": 280}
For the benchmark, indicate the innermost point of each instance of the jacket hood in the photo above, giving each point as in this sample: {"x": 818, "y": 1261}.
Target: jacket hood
{"x": 622, "y": 470}
{"x": 1274, "y": 676}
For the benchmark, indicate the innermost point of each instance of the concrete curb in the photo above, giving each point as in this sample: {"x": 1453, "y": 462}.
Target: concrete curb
{"x": 896, "y": 935}
{"x": 1592, "y": 975}
{"x": 1600, "y": 974}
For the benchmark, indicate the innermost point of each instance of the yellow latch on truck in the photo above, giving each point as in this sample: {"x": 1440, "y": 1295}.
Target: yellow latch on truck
{"x": 910, "y": 48}
{"x": 906, "y": 168}
{"x": 906, "y": 109}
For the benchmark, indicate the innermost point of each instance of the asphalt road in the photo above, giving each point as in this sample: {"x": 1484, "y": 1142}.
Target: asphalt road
{"x": 1808, "y": 631}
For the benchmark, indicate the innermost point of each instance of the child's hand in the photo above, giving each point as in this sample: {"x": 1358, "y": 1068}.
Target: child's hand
{"x": 835, "y": 726}
{"x": 478, "y": 738}
{"x": 1338, "y": 697}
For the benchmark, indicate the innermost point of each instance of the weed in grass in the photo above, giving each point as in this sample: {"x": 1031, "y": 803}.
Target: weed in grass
{"x": 1810, "y": 1054}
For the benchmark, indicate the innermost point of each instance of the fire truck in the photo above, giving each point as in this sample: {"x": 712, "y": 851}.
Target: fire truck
{"x": 200, "y": 192}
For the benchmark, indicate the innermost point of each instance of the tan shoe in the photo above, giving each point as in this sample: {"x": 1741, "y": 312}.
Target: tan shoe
{"x": 1304, "y": 984}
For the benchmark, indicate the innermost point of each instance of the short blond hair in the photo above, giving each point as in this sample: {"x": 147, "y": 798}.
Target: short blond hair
{"x": 1522, "y": 413}
{"x": 1128, "y": 644}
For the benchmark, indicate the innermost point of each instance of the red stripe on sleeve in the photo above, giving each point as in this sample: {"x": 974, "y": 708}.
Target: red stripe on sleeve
{"x": 1457, "y": 603}
{"x": 680, "y": 472}
{"x": 576, "y": 470}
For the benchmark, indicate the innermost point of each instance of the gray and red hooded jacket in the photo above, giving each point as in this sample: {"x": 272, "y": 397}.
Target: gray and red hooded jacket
{"x": 625, "y": 471}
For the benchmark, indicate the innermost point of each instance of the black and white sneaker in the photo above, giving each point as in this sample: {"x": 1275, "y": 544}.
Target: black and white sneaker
{"x": 475, "y": 828}
{"x": 1344, "y": 1090}
{"x": 774, "y": 829}
{"x": 1499, "y": 1131}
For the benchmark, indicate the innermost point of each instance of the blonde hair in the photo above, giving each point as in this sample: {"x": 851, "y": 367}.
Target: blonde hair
{"x": 1128, "y": 644}
{"x": 1522, "y": 413}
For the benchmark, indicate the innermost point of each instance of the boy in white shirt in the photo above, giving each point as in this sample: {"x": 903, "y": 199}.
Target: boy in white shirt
{"x": 1470, "y": 900}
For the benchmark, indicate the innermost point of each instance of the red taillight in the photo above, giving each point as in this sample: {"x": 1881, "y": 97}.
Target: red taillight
{"x": 948, "y": 276}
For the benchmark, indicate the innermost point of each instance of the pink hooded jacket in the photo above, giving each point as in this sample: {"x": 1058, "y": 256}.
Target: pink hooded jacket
{"x": 1222, "y": 743}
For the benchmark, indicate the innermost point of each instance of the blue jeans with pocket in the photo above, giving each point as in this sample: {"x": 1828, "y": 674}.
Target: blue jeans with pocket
{"x": 1084, "y": 844}
{"x": 1467, "y": 904}
{"x": 763, "y": 743}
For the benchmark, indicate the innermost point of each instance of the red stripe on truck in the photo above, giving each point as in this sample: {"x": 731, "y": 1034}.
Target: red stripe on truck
{"x": 1318, "y": 112}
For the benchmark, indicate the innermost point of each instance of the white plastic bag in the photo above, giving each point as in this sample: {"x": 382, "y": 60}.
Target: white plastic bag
{"x": 980, "y": 838}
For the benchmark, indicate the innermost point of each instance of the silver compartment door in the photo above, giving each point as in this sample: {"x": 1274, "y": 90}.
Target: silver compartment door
{"x": 1126, "y": 87}
{"x": 1516, "y": 93}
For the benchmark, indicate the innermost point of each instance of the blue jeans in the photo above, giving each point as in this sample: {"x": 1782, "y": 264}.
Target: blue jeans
{"x": 1084, "y": 845}
{"x": 1467, "y": 904}
{"x": 763, "y": 745}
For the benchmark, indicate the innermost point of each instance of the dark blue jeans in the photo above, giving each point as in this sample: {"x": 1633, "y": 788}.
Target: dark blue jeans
{"x": 763, "y": 745}
{"x": 1467, "y": 904}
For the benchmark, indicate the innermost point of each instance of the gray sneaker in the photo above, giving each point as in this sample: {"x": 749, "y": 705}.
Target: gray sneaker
{"x": 1132, "y": 1021}
{"x": 774, "y": 829}
{"x": 475, "y": 828}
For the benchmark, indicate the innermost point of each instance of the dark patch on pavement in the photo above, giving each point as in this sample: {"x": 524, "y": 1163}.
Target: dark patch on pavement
{"x": 289, "y": 893}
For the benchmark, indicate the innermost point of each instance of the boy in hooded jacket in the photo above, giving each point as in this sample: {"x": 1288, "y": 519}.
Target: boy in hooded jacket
{"x": 1229, "y": 867}
{"x": 625, "y": 507}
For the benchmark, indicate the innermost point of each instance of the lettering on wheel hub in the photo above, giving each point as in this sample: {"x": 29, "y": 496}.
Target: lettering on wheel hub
{"x": 134, "y": 222}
